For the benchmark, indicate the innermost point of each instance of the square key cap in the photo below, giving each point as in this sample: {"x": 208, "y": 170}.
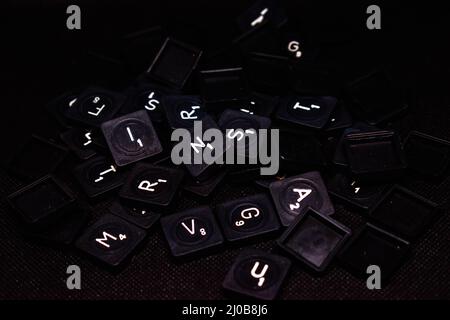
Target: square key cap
{"x": 41, "y": 200}
{"x": 80, "y": 142}
{"x": 247, "y": 217}
{"x": 314, "y": 239}
{"x": 204, "y": 188}
{"x": 95, "y": 106}
{"x": 404, "y": 212}
{"x": 257, "y": 274}
{"x": 59, "y": 106}
{"x": 292, "y": 196}
{"x": 110, "y": 239}
{"x": 262, "y": 12}
{"x": 131, "y": 138}
{"x": 427, "y": 155}
{"x": 174, "y": 63}
{"x": 223, "y": 84}
{"x": 311, "y": 112}
{"x": 140, "y": 215}
{"x": 191, "y": 231}
{"x": 98, "y": 176}
{"x": 374, "y": 246}
{"x": 152, "y": 185}
{"x": 182, "y": 111}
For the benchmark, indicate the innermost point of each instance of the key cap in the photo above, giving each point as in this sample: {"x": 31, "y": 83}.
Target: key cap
{"x": 257, "y": 274}
{"x": 374, "y": 246}
{"x": 310, "y": 112}
{"x": 131, "y": 138}
{"x": 222, "y": 85}
{"x": 340, "y": 119}
{"x": 292, "y": 196}
{"x": 59, "y": 106}
{"x": 404, "y": 212}
{"x": 152, "y": 185}
{"x": 98, "y": 175}
{"x": 174, "y": 63}
{"x": 247, "y": 217}
{"x": 191, "y": 231}
{"x": 182, "y": 111}
{"x": 140, "y": 215}
{"x": 80, "y": 142}
{"x": 110, "y": 240}
{"x": 95, "y": 106}
{"x": 42, "y": 201}
{"x": 260, "y": 104}
{"x": 262, "y": 12}
{"x": 204, "y": 188}
{"x": 314, "y": 239}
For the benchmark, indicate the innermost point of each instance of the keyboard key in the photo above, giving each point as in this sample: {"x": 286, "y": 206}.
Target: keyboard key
{"x": 98, "y": 176}
{"x": 131, "y": 138}
{"x": 374, "y": 246}
{"x": 257, "y": 274}
{"x": 314, "y": 239}
{"x": 152, "y": 185}
{"x": 140, "y": 215}
{"x": 404, "y": 212}
{"x": 376, "y": 106}
{"x": 340, "y": 119}
{"x": 373, "y": 153}
{"x": 292, "y": 196}
{"x": 223, "y": 85}
{"x": 182, "y": 111}
{"x": 111, "y": 240}
{"x": 95, "y": 106}
{"x": 247, "y": 217}
{"x": 262, "y": 12}
{"x": 174, "y": 63}
{"x": 37, "y": 158}
{"x": 191, "y": 231}
{"x": 359, "y": 195}
{"x": 260, "y": 104}
{"x": 80, "y": 142}
{"x": 60, "y": 105}
{"x": 427, "y": 155}
{"x": 206, "y": 187}
{"x": 311, "y": 112}
{"x": 41, "y": 201}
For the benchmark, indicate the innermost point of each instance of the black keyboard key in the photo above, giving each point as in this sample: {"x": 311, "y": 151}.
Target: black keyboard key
{"x": 37, "y": 157}
{"x": 314, "y": 239}
{"x": 427, "y": 155}
{"x": 174, "y": 63}
{"x": 375, "y": 154}
{"x": 140, "y": 215}
{"x": 310, "y": 112}
{"x": 260, "y": 13}
{"x": 191, "y": 231}
{"x": 340, "y": 119}
{"x": 131, "y": 138}
{"x": 95, "y": 106}
{"x": 80, "y": 142}
{"x": 404, "y": 212}
{"x": 98, "y": 176}
{"x": 206, "y": 187}
{"x": 223, "y": 85}
{"x": 41, "y": 201}
{"x": 111, "y": 240}
{"x": 257, "y": 274}
{"x": 376, "y": 106}
{"x": 182, "y": 111}
{"x": 359, "y": 195}
{"x": 247, "y": 217}
{"x": 152, "y": 185}
{"x": 292, "y": 196}
{"x": 374, "y": 246}
{"x": 259, "y": 104}
{"x": 60, "y": 105}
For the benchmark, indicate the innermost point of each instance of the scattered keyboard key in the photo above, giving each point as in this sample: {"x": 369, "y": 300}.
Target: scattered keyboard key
{"x": 182, "y": 111}
{"x": 427, "y": 155}
{"x": 223, "y": 85}
{"x": 260, "y": 104}
{"x": 311, "y": 112}
{"x": 314, "y": 239}
{"x": 140, "y": 215}
{"x": 110, "y": 239}
{"x": 262, "y": 12}
{"x": 247, "y": 217}
{"x": 80, "y": 142}
{"x": 174, "y": 63}
{"x": 374, "y": 246}
{"x": 206, "y": 187}
{"x": 41, "y": 201}
{"x": 131, "y": 138}
{"x": 191, "y": 231}
{"x": 257, "y": 274}
{"x": 292, "y": 196}
{"x": 404, "y": 212}
{"x": 340, "y": 119}
{"x": 98, "y": 175}
{"x": 59, "y": 106}
{"x": 152, "y": 185}
{"x": 95, "y": 106}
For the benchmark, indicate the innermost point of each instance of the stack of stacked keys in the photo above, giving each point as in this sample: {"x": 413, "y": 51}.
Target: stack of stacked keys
{"x": 119, "y": 148}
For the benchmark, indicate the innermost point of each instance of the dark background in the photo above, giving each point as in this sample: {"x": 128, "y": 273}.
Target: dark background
{"x": 41, "y": 59}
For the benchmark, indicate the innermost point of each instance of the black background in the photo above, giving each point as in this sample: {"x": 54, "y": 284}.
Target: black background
{"x": 38, "y": 58}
